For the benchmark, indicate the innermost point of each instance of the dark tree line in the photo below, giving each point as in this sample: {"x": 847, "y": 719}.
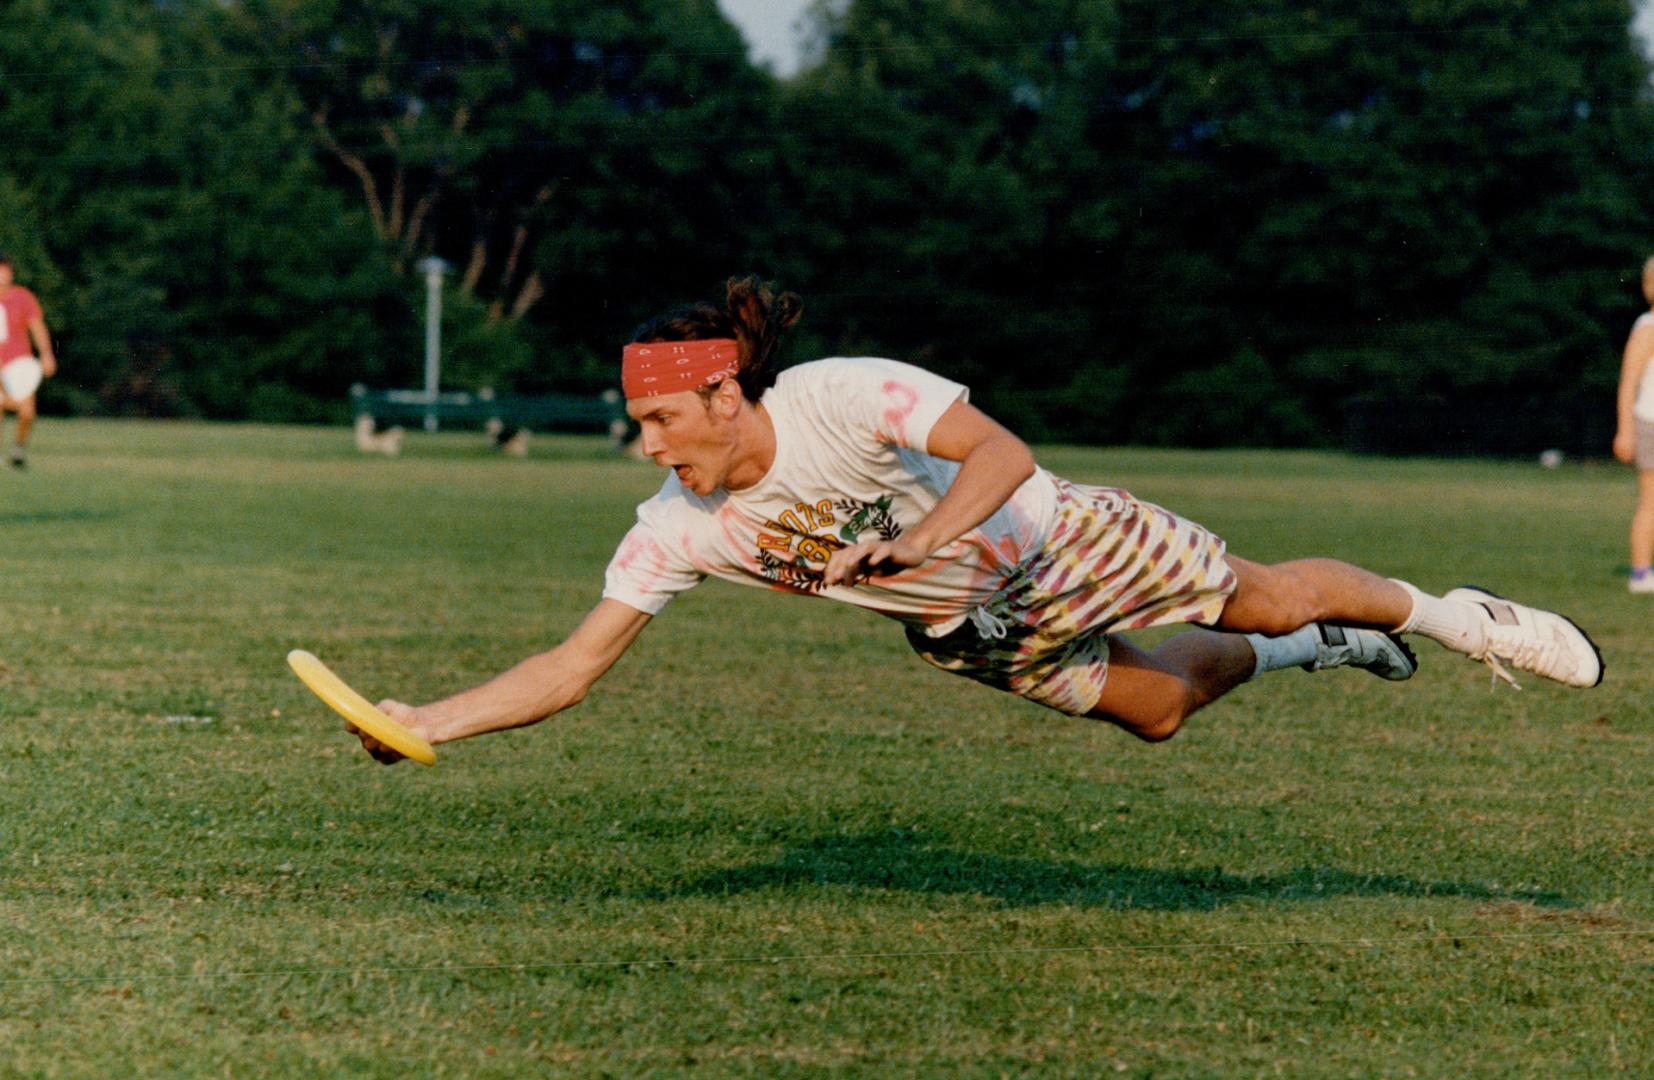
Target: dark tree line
{"x": 1118, "y": 220}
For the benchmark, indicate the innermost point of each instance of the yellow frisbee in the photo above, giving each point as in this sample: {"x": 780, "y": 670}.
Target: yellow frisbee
{"x": 357, "y": 709}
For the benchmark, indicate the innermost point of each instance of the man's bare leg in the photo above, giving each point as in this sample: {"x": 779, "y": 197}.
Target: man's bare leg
{"x": 19, "y": 454}
{"x": 25, "y": 420}
{"x": 1642, "y": 524}
{"x": 1472, "y": 622}
{"x": 1150, "y": 694}
{"x": 1281, "y": 598}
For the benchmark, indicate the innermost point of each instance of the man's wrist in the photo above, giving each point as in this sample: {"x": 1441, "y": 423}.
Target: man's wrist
{"x": 925, "y": 542}
{"x": 437, "y": 725}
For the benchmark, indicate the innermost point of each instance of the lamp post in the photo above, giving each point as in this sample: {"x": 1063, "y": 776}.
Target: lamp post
{"x": 433, "y": 268}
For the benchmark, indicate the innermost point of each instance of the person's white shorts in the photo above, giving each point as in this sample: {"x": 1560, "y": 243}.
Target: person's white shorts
{"x": 20, "y": 378}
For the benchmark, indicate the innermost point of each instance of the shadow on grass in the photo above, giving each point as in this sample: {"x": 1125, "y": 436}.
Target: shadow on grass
{"x": 902, "y": 861}
{"x": 40, "y": 517}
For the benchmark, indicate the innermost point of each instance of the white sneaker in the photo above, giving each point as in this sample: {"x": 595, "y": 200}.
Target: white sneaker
{"x": 1644, "y": 584}
{"x": 1528, "y": 639}
{"x": 1385, "y": 655}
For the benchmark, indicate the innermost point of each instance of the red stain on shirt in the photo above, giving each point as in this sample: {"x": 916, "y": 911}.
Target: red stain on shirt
{"x": 643, "y": 555}
{"x": 904, "y": 399}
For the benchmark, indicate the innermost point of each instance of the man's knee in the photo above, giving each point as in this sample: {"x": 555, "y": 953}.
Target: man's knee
{"x": 1153, "y": 726}
{"x": 1274, "y": 600}
{"x": 1161, "y": 729}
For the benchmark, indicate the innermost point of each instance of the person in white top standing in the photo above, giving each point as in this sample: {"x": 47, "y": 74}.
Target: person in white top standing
{"x": 1634, "y": 434}
{"x": 875, "y": 483}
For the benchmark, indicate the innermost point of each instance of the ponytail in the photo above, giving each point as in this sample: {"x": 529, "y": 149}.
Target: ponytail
{"x": 753, "y": 314}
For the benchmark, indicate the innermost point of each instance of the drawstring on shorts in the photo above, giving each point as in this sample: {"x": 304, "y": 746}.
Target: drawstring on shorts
{"x": 988, "y": 625}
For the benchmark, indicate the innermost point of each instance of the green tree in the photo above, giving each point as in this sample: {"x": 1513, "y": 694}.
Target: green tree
{"x": 206, "y": 266}
{"x": 922, "y": 205}
{"x": 1174, "y": 222}
{"x": 1429, "y": 200}
{"x": 575, "y": 162}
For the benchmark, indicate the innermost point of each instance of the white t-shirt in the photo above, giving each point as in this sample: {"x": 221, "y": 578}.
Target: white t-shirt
{"x": 850, "y": 464}
{"x": 1643, "y": 408}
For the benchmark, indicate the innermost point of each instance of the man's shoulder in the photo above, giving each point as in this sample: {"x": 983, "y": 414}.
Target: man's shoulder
{"x": 839, "y": 371}
{"x": 834, "y": 365}
{"x": 673, "y": 500}
{"x": 807, "y": 373}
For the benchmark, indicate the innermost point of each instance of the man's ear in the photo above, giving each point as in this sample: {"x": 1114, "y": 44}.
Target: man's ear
{"x": 727, "y": 399}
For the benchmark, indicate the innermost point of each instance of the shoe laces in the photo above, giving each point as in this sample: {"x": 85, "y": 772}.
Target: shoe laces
{"x": 1522, "y": 649}
{"x": 1499, "y": 671}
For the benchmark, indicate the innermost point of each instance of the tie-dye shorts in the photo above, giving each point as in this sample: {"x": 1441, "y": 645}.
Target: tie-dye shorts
{"x": 1112, "y": 563}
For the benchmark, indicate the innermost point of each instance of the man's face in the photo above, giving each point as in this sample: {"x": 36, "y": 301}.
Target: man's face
{"x": 691, "y": 435}
{"x": 5, "y": 275}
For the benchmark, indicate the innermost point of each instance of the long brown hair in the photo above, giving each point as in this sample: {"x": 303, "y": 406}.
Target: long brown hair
{"x": 754, "y": 314}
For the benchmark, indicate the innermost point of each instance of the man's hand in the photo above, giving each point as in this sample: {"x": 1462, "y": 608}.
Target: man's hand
{"x": 858, "y": 562}
{"x": 48, "y": 366}
{"x": 544, "y": 684}
{"x": 406, "y": 715}
{"x": 1625, "y": 446}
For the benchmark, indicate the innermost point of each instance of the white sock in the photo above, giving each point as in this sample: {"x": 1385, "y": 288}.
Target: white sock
{"x": 1290, "y": 650}
{"x": 1454, "y": 625}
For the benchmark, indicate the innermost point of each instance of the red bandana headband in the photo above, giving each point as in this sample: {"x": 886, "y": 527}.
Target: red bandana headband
{"x": 668, "y": 367}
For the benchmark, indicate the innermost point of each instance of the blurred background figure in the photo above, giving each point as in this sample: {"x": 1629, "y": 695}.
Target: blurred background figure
{"x": 510, "y": 439}
{"x": 1634, "y": 435}
{"x": 370, "y": 440}
{"x": 23, "y": 323}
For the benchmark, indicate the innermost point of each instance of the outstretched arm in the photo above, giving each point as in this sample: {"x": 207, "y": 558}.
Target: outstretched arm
{"x": 993, "y": 463}
{"x": 537, "y": 688}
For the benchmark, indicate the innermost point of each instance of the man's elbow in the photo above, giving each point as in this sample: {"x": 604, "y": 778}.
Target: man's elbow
{"x": 1016, "y": 455}
{"x": 577, "y": 684}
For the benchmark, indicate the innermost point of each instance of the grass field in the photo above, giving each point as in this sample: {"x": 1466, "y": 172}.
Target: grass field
{"x": 772, "y": 842}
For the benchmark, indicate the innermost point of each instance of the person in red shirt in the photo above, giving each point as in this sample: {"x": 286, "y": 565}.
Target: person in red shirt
{"x": 23, "y": 323}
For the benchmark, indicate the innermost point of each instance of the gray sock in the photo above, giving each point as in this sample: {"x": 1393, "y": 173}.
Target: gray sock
{"x": 1289, "y": 650}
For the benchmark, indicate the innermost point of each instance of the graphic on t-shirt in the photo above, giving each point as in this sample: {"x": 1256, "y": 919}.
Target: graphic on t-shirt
{"x": 790, "y": 534}
{"x": 864, "y": 516}
{"x": 851, "y": 466}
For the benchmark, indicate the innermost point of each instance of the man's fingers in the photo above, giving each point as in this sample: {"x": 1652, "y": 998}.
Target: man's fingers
{"x": 858, "y": 562}
{"x": 843, "y": 564}
{"x": 377, "y": 750}
{"x": 881, "y": 554}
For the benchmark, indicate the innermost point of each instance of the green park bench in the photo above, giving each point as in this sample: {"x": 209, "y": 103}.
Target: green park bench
{"x": 498, "y": 414}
